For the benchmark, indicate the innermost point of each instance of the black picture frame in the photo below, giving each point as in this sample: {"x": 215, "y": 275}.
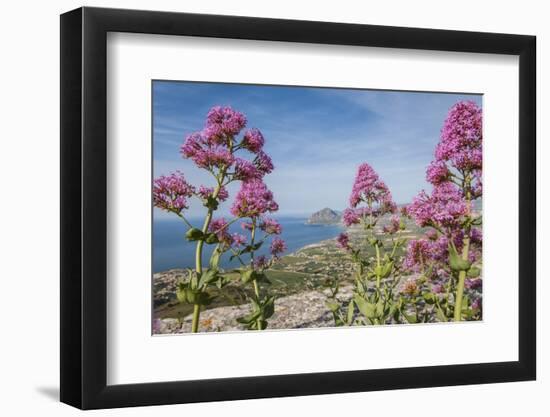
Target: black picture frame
{"x": 84, "y": 207}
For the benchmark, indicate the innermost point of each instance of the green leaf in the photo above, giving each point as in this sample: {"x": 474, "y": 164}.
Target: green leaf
{"x": 211, "y": 238}
{"x": 440, "y": 314}
{"x": 351, "y": 311}
{"x": 256, "y": 308}
{"x": 247, "y": 275}
{"x": 249, "y": 318}
{"x": 473, "y": 272}
{"x": 373, "y": 241}
{"x": 210, "y": 276}
{"x": 386, "y": 270}
{"x": 194, "y": 234}
{"x": 263, "y": 324}
{"x": 192, "y": 296}
{"x": 430, "y": 297}
{"x": 215, "y": 259}
{"x": 411, "y": 318}
{"x": 181, "y": 293}
{"x": 379, "y": 311}
{"x": 268, "y": 308}
{"x": 395, "y": 313}
{"x": 332, "y": 306}
{"x": 455, "y": 260}
{"x": 251, "y": 248}
{"x": 211, "y": 203}
{"x": 197, "y": 297}
{"x": 477, "y": 221}
{"x": 465, "y": 302}
{"x": 194, "y": 280}
{"x": 366, "y": 308}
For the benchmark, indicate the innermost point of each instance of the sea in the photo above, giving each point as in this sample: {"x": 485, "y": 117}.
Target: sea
{"x": 171, "y": 250}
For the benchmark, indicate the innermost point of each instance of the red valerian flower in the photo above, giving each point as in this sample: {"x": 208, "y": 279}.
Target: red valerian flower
{"x": 254, "y": 199}
{"x": 170, "y": 193}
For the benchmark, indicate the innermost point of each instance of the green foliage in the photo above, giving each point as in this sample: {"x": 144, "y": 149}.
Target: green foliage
{"x": 430, "y": 297}
{"x": 473, "y": 272}
{"x": 211, "y": 203}
{"x": 194, "y": 234}
{"x": 208, "y": 277}
{"x": 261, "y": 311}
{"x": 247, "y": 249}
{"x": 185, "y": 294}
{"x": 455, "y": 260}
{"x": 211, "y": 238}
{"x": 351, "y": 313}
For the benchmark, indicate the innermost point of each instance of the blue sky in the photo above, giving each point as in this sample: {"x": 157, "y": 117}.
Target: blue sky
{"x": 316, "y": 137}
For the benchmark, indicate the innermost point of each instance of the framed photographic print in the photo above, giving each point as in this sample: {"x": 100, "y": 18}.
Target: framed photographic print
{"x": 258, "y": 208}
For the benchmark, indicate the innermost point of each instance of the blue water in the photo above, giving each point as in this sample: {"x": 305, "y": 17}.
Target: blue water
{"x": 172, "y": 250}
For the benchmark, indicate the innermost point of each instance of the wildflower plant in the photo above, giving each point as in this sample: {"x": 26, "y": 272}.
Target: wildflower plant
{"x": 449, "y": 255}
{"x": 228, "y": 156}
{"x": 376, "y": 265}
{"x": 253, "y": 202}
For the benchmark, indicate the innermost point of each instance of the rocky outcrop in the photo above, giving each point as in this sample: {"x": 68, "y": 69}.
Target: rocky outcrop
{"x": 325, "y": 216}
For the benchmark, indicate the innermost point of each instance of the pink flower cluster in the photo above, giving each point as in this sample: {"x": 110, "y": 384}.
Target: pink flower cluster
{"x": 261, "y": 262}
{"x": 254, "y": 199}
{"x": 343, "y": 241}
{"x": 253, "y": 140}
{"x": 461, "y": 137}
{"x": 222, "y": 123}
{"x": 220, "y": 228}
{"x": 214, "y": 147}
{"x": 370, "y": 189}
{"x": 204, "y": 154}
{"x": 278, "y": 246}
{"x": 249, "y": 171}
{"x": 434, "y": 249}
{"x": 393, "y": 226}
{"x": 352, "y": 216}
{"x": 460, "y": 148}
{"x": 263, "y": 163}
{"x": 238, "y": 240}
{"x": 206, "y": 192}
{"x": 444, "y": 208}
{"x": 421, "y": 253}
{"x": 171, "y": 192}
{"x": 437, "y": 173}
{"x": 246, "y": 170}
{"x": 270, "y": 226}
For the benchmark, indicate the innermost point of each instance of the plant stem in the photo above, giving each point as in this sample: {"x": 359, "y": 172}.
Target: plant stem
{"x": 465, "y": 253}
{"x": 198, "y": 261}
{"x": 255, "y": 282}
{"x": 196, "y": 313}
{"x": 461, "y": 279}
{"x": 256, "y": 289}
{"x": 378, "y": 265}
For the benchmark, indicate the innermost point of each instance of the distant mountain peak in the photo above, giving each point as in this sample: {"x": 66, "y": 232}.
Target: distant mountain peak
{"x": 325, "y": 216}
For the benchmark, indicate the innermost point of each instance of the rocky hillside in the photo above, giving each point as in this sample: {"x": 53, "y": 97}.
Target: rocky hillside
{"x": 304, "y": 310}
{"x": 325, "y": 216}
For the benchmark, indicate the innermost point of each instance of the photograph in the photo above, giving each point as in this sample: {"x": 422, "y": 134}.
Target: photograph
{"x": 298, "y": 207}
